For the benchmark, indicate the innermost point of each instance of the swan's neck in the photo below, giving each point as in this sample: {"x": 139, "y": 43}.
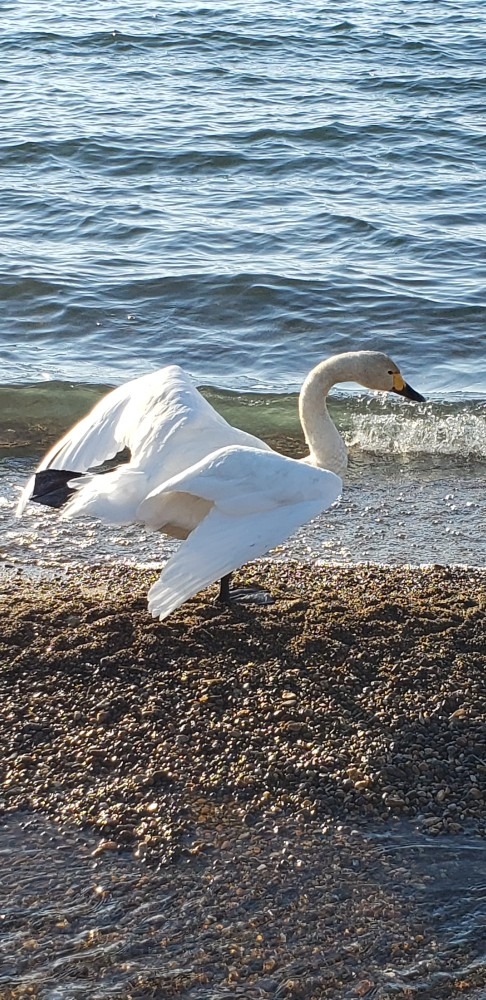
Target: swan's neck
{"x": 326, "y": 446}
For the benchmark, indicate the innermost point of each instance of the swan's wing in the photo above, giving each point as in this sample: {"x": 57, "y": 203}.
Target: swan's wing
{"x": 105, "y": 430}
{"x": 240, "y": 480}
{"x": 220, "y": 544}
{"x": 259, "y": 499}
{"x": 161, "y": 417}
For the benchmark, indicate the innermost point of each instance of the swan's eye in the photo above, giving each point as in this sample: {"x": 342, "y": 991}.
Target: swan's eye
{"x": 390, "y": 373}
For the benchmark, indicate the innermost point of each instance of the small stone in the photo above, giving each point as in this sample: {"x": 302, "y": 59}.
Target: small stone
{"x": 430, "y": 821}
{"x": 394, "y": 801}
{"x": 103, "y": 846}
{"x": 267, "y": 984}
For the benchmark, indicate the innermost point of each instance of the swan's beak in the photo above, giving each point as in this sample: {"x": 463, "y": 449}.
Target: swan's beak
{"x": 404, "y": 389}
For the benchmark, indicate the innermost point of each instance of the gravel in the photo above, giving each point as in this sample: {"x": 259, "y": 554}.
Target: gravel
{"x": 359, "y": 695}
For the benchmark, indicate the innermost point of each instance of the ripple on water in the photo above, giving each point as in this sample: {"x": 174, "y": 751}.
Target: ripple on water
{"x": 277, "y": 906}
{"x": 245, "y": 184}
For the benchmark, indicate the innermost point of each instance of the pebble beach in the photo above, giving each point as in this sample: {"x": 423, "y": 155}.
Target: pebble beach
{"x": 359, "y": 693}
{"x": 243, "y": 755}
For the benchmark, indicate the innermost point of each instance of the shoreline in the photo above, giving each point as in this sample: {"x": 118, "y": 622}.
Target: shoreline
{"x": 359, "y": 696}
{"x": 275, "y": 909}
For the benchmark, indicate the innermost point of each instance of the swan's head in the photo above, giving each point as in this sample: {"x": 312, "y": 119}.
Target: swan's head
{"x": 378, "y": 372}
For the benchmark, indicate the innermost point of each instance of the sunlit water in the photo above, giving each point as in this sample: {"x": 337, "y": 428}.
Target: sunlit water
{"x": 418, "y": 512}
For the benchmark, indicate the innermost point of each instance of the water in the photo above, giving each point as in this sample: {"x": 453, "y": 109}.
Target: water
{"x": 244, "y": 190}
{"x": 76, "y": 922}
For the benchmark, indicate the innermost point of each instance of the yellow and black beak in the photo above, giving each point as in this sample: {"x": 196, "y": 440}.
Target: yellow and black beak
{"x": 404, "y": 389}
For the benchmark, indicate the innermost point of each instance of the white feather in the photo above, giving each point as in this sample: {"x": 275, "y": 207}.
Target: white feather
{"x": 164, "y": 421}
{"x": 258, "y": 500}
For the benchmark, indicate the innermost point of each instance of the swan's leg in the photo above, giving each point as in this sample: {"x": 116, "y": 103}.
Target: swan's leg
{"x": 242, "y": 594}
{"x": 224, "y": 596}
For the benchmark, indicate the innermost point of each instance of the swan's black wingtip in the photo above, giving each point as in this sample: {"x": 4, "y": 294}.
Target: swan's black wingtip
{"x": 51, "y": 487}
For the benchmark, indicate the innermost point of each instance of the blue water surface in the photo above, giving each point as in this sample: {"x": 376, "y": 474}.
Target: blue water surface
{"x": 243, "y": 189}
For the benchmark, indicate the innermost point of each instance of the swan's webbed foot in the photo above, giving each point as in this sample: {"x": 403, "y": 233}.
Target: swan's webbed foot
{"x": 241, "y": 595}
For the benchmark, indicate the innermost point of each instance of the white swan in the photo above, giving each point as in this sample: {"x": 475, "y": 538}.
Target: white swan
{"x": 193, "y": 476}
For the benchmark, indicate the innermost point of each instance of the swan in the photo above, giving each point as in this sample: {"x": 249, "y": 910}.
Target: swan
{"x": 195, "y": 477}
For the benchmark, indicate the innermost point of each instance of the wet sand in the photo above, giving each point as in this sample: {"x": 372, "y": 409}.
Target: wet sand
{"x": 232, "y": 744}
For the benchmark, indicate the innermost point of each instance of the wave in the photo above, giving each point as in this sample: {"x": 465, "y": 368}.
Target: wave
{"x": 33, "y": 416}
